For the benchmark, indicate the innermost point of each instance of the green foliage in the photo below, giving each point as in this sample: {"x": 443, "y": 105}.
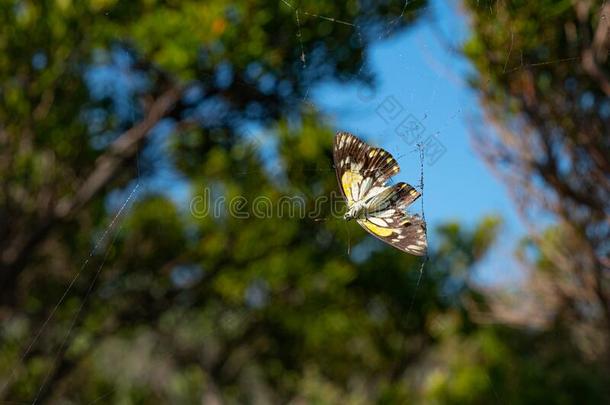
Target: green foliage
{"x": 168, "y": 306}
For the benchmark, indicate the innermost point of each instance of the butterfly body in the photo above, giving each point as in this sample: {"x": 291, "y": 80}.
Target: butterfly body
{"x": 356, "y": 211}
{"x": 363, "y": 173}
{"x": 362, "y": 208}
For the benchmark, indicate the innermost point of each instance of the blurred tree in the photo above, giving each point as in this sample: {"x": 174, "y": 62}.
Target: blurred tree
{"x": 543, "y": 74}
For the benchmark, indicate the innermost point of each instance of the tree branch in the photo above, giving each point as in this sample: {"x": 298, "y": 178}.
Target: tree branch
{"x": 125, "y": 147}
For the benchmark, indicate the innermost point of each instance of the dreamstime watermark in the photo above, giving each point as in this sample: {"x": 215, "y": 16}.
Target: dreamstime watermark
{"x": 405, "y": 125}
{"x": 263, "y": 207}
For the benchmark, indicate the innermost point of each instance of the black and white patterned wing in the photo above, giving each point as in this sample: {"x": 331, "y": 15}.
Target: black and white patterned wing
{"x": 397, "y": 197}
{"x": 387, "y": 220}
{"x": 403, "y": 231}
{"x": 359, "y": 167}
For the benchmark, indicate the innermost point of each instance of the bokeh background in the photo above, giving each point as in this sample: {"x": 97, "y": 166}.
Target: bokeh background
{"x": 118, "y": 118}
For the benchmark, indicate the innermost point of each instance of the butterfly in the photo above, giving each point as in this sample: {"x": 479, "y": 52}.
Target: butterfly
{"x": 363, "y": 173}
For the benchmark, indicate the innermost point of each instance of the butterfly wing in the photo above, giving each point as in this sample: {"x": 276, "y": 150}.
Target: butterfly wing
{"x": 361, "y": 169}
{"x": 397, "y": 197}
{"x": 404, "y": 232}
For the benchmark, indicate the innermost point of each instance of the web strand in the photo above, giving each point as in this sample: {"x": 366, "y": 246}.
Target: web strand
{"x": 424, "y": 260}
{"x": 68, "y": 289}
{"x": 349, "y": 239}
{"x": 303, "y": 56}
{"x": 76, "y": 317}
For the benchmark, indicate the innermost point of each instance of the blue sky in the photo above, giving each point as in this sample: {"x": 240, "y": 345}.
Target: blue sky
{"x": 420, "y": 76}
